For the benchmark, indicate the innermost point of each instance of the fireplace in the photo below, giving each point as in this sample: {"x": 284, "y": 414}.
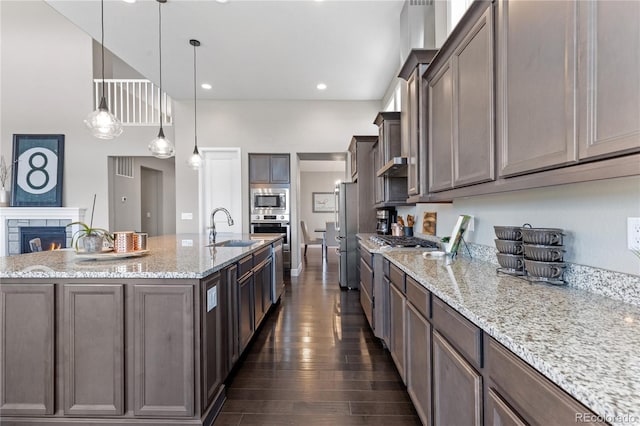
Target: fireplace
{"x": 51, "y": 237}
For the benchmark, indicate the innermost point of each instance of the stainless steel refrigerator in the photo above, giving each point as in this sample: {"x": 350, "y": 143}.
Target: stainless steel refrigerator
{"x": 347, "y": 227}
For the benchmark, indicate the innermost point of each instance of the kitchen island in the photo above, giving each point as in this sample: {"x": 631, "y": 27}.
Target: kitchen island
{"x": 514, "y": 352}
{"x": 140, "y": 340}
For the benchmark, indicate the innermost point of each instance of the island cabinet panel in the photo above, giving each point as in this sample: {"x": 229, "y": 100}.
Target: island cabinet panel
{"x": 441, "y": 129}
{"x": 212, "y": 337}
{"x": 537, "y": 90}
{"x": 258, "y": 289}
{"x": 93, "y": 339}
{"x": 164, "y": 351}
{"x": 609, "y": 78}
{"x": 473, "y": 142}
{"x": 231, "y": 275}
{"x": 533, "y": 397}
{"x": 457, "y": 387}
{"x": 419, "y": 362}
{"x": 27, "y": 349}
{"x": 246, "y": 307}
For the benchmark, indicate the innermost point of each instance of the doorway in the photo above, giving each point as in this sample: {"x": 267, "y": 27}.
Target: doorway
{"x": 221, "y": 186}
{"x": 151, "y": 201}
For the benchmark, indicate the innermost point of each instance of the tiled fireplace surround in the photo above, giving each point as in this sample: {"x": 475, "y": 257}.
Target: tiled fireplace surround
{"x": 12, "y": 218}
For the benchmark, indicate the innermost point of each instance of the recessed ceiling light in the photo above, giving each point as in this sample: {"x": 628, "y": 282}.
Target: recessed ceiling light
{"x": 129, "y": 1}
{"x": 206, "y": 86}
{"x": 222, "y": 1}
{"x": 321, "y": 86}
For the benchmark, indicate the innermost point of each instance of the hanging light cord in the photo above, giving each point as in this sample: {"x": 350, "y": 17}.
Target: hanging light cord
{"x": 102, "y": 40}
{"x": 195, "y": 105}
{"x": 160, "y": 50}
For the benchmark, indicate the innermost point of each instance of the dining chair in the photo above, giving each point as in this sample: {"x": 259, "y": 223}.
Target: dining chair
{"x": 330, "y": 237}
{"x": 307, "y": 239}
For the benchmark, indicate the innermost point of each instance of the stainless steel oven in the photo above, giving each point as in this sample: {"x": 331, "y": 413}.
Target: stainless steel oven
{"x": 266, "y": 226}
{"x": 269, "y": 201}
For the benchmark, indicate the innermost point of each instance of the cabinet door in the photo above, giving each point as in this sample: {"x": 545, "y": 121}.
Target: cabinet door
{"x": 279, "y": 168}
{"x": 93, "y": 339}
{"x": 258, "y": 278}
{"x": 397, "y": 303}
{"x": 536, "y": 94}
{"x": 245, "y": 311}
{"x": 419, "y": 363}
{"x": 457, "y": 387}
{"x": 212, "y": 347}
{"x": 441, "y": 129}
{"x": 26, "y": 349}
{"x": 609, "y": 78}
{"x": 164, "y": 357}
{"x": 267, "y": 279}
{"x": 231, "y": 274}
{"x": 259, "y": 168}
{"x": 499, "y": 413}
{"x": 473, "y": 142}
{"x": 379, "y": 181}
{"x": 413, "y": 154}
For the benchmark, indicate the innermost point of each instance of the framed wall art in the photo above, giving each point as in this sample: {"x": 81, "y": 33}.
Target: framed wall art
{"x": 37, "y": 174}
{"x": 323, "y": 202}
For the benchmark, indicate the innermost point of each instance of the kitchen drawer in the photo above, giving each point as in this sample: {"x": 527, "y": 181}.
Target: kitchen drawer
{"x": 366, "y": 276}
{"x": 419, "y": 297}
{"x": 367, "y": 257}
{"x": 397, "y": 278}
{"x": 261, "y": 255}
{"x": 459, "y": 331}
{"x": 245, "y": 265}
{"x": 535, "y": 398}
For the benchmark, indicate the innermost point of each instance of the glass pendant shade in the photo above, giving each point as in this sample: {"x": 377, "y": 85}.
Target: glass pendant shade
{"x": 161, "y": 147}
{"x": 195, "y": 161}
{"x": 102, "y": 123}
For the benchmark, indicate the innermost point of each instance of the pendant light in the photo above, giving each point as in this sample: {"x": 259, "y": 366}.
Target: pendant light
{"x": 161, "y": 147}
{"x": 101, "y": 122}
{"x": 196, "y": 159}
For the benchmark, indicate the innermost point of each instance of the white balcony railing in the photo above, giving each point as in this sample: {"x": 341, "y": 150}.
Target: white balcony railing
{"x": 136, "y": 102}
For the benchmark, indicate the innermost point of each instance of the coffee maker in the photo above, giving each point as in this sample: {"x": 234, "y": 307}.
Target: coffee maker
{"x": 384, "y": 218}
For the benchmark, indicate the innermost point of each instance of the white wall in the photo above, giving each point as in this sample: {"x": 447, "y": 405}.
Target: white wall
{"x": 316, "y": 182}
{"x": 593, "y": 215}
{"x": 46, "y": 86}
{"x": 264, "y": 126}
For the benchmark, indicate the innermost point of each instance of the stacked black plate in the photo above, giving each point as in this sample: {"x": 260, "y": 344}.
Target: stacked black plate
{"x": 510, "y": 249}
{"x": 543, "y": 254}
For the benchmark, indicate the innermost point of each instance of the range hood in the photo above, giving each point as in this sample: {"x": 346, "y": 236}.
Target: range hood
{"x": 397, "y": 167}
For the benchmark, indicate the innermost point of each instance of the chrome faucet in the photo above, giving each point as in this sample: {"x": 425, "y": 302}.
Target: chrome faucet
{"x": 212, "y": 232}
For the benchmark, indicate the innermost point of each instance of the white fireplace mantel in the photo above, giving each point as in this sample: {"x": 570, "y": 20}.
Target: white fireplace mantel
{"x": 74, "y": 214}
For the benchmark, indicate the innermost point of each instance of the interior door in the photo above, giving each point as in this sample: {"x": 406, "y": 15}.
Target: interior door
{"x": 221, "y": 186}
{"x": 151, "y": 201}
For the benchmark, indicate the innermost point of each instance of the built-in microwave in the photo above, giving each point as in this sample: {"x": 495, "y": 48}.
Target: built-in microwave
{"x": 269, "y": 200}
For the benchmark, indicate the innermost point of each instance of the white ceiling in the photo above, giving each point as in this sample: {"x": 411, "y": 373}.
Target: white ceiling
{"x": 254, "y": 49}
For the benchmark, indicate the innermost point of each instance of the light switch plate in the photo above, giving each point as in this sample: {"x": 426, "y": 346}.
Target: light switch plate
{"x": 186, "y": 216}
{"x": 633, "y": 233}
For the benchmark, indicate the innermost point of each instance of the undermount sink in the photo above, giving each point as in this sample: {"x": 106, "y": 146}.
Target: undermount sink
{"x": 235, "y": 243}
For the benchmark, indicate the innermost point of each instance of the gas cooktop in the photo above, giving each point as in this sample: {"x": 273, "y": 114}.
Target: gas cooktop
{"x": 397, "y": 241}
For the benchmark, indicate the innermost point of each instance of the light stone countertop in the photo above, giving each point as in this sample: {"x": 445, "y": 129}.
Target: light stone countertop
{"x": 587, "y": 344}
{"x": 172, "y": 256}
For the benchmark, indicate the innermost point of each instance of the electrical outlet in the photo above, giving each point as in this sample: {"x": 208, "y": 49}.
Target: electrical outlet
{"x": 633, "y": 233}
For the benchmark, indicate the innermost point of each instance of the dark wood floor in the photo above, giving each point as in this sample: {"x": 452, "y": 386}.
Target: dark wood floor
{"x": 316, "y": 362}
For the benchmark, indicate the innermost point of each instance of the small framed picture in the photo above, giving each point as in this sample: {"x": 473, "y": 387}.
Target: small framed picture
{"x": 323, "y": 202}
{"x": 37, "y": 174}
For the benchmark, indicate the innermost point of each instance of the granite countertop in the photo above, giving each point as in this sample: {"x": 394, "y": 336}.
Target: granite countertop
{"x": 170, "y": 256}
{"x": 587, "y": 344}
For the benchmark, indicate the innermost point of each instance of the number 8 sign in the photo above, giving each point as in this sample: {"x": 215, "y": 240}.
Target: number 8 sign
{"x": 37, "y": 175}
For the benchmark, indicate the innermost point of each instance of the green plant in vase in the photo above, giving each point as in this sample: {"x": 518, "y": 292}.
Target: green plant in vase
{"x": 5, "y": 170}
{"x": 91, "y": 239}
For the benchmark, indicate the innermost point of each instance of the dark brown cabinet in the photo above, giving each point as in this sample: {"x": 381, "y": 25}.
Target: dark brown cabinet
{"x": 608, "y": 78}
{"x": 499, "y": 413}
{"x": 246, "y": 325}
{"x": 461, "y": 107}
{"x": 231, "y": 312}
{"x": 27, "y": 358}
{"x": 397, "y": 303}
{"x": 269, "y": 168}
{"x": 412, "y": 118}
{"x": 391, "y": 189}
{"x": 366, "y": 287}
{"x": 377, "y": 159}
{"x": 213, "y": 344}
{"x": 457, "y": 387}
{"x": 419, "y": 362}
{"x": 93, "y": 339}
{"x": 537, "y": 85}
{"x": 163, "y": 370}
{"x": 363, "y": 172}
